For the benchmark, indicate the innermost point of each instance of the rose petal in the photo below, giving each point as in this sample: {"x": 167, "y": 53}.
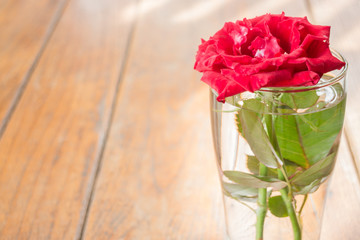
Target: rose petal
{"x": 319, "y": 57}
{"x": 266, "y": 51}
{"x": 304, "y": 78}
{"x": 232, "y": 61}
{"x": 267, "y": 47}
{"x": 269, "y": 79}
{"x": 254, "y": 82}
{"x": 222, "y": 85}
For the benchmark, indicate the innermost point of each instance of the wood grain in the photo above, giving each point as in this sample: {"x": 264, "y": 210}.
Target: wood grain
{"x": 24, "y": 29}
{"x": 50, "y": 151}
{"x": 158, "y": 178}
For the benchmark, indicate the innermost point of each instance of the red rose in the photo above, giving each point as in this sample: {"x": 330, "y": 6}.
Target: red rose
{"x": 266, "y": 51}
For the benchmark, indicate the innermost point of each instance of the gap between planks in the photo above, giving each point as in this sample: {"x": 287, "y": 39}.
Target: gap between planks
{"x": 98, "y": 163}
{"x": 51, "y": 29}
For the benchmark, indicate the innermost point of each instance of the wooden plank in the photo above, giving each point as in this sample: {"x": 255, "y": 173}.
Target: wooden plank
{"x": 24, "y": 29}
{"x": 50, "y": 151}
{"x": 344, "y": 17}
{"x": 342, "y": 209}
{"x": 158, "y": 177}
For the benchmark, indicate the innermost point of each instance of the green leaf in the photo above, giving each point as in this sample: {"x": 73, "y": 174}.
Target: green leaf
{"x": 254, "y": 105}
{"x": 306, "y": 139}
{"x": 239, "y": 191}
{"x": 291, "y": 168}
{"x": 307, "y": 189}
{"x": 277, "y": 206}
{"x": 316, "y": 107}
{"x": 238, "y": 124}
{"x": 253, "y": 165}
{"x": 299, "y": 100}
{"x": 254, "y": 181}
{"x": 255, "y": 134}
{"x": 316, "y": 172}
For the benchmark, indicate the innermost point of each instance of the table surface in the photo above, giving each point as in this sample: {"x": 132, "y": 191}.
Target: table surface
{"x": 104, "y": 124}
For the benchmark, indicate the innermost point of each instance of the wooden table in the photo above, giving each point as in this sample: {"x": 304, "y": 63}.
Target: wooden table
{"x": 104, "y": 124}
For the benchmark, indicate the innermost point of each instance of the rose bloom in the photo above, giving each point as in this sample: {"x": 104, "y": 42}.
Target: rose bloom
{"x": 266, "y": 51}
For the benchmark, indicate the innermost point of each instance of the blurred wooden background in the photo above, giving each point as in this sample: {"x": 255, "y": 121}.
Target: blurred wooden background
{"x": 104, "y": 124}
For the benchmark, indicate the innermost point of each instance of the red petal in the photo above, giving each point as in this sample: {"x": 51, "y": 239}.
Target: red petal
{"x": 249, "y": 54}
{"x": 224, "y": 86}
{"x": 304, "y": 78}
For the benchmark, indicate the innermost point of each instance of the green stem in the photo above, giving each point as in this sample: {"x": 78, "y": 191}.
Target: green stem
{"x": 290, "y": 209}
{"x": 286, "y": 193}
{"x": 261, "y": 210}
{"x": 262, "y": 192}
{"x": 303, "y": 205}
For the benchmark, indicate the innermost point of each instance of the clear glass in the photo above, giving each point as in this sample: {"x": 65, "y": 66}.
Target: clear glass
{"x": 275, "y": 150}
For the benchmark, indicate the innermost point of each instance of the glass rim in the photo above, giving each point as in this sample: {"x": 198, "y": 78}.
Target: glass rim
{"x": 329, "y": 82}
